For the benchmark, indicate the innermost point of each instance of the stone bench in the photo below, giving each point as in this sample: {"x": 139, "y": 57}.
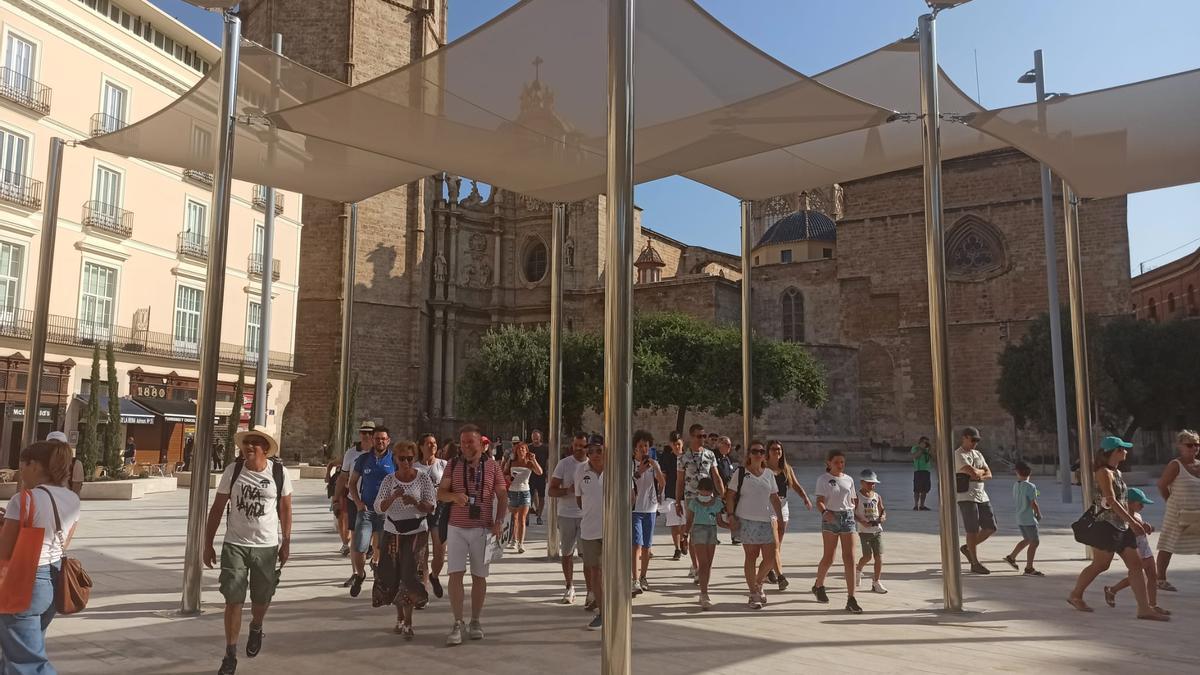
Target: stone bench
{"x": 111, "y": 489}
{"x": 185, "y": 479}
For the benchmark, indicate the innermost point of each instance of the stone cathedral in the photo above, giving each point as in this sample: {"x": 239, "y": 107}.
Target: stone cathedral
{"x": 840, "y": 269}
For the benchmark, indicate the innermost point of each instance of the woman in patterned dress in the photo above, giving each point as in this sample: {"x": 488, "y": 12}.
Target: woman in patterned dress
{"x": 1180, "y": 487}
{"x": 405, "y": 498}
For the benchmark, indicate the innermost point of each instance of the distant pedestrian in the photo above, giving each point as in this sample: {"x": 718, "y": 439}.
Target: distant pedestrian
{"x": 1138, "y": 501}
{"x": 836, "y": 499}
{"x": 589, "y": 495}
{"x": 922, "y": 459}
{"x": 562, "y": 488}
{"x": 520, "y": 469}
{"x": 785, "y": 479}
{"x": 648, "y": 483}
{"x": 703, "y": 510}
{"x": 130, "y": 454}
{"x": 870, "y": 514}
{"x": 1025, "y": 495}
{"x": 1180, "y": 488}
{"x": 668, "y": 461}
{"x": 537, "y": 482}
{"x": 370, "y": 469}
{"x": 971, "y": 471}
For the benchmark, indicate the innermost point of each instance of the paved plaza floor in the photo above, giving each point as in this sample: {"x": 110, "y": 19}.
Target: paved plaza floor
{"x": 134, "y": 552}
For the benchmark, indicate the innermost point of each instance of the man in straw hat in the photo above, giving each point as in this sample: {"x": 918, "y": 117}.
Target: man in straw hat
{"x": 258, "y": 493}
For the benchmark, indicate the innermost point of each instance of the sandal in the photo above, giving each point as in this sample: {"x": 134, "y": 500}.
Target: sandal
{"x": 1154, "y": 616}
{"x": 1110, "y": 596}
{"x": 1080, "y": 605}
{"x": 1160, "y": 610}
{"x": 1030, "y": 572}
{"x": 1164, "y": 585}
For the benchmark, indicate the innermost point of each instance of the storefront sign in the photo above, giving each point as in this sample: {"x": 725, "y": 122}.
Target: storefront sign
{"x": 44, "y": 413}
{"x": 150, "y": 391}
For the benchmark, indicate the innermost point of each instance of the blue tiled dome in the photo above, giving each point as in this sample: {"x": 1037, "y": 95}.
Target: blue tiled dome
{"x": 800, "y": 226}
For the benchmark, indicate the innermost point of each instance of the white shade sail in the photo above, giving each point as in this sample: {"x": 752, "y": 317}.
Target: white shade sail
{"x": 522, "y": 101}
{"x": 1140, "y": 136}
{"x": 184, "y": 134}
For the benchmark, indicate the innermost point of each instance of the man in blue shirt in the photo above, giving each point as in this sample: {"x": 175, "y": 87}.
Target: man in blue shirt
{"x": 369, "y": 471}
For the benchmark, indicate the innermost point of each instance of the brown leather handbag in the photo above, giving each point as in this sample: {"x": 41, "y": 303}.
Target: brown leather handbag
{"x": 74, "y": 586}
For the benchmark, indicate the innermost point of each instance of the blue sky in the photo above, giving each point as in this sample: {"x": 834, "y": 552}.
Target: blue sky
{"x": 1087, "y": 45}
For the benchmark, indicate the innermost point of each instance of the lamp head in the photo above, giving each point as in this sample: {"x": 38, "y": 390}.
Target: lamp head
{"x": 1030, "y": 77}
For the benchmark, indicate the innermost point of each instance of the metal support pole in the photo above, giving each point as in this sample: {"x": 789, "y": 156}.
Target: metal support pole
{"x": 747, "y": 352}
{"x": 554, "y": 429}
{"x": 1083, "y": 395}
{"x": 340, "y": 432}
{"x": 261, "y": 371}
{"x": 210, "y": 341}
{"x": 938, "y": 334}
{"x": 618, "y": 345}
{"x": 41, "y": 307}
{"x": 1060, "y": 380}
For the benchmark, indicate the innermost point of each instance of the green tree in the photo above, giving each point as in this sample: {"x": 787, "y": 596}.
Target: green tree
{"x": 113, "y": 447}
{"x": 89, "y": 441}
{"x": 508, "y": 380}
{"x": 235, "y": 415}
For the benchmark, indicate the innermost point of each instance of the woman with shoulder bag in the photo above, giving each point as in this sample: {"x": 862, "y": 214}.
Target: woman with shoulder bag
{"x": 31, "y": 553}
{"x": 405, "y": 498}
{"x": 1113, "y": 532}
{"x": 752, "y": 499}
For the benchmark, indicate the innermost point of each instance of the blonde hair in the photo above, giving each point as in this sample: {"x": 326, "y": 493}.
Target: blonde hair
{"x": 406, "y": 445}
{"x": 53, "y": 456}
{"x": 1186, "y": 436}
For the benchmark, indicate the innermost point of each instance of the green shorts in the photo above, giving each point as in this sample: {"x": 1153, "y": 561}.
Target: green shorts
{"x": 253, "y": 566}
{"x": 871, "y": 542}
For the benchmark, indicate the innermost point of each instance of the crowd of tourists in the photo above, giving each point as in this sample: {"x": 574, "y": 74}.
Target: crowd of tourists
{"x": 409, "y": 511}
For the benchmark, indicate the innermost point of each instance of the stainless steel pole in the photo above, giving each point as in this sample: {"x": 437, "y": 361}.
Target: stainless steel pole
{"x": 1060, "y": 380}
{"x": 340, "y": 432}
{"x": 554, "y": 429}
{"x": 747, "y": 352}
{"x": 41, "y": 306}
{"x": 1083, "y": 395}
{"x": 938, "y": 334}
{"x": 618, "y": 345}
{"x": 262, "y": 367}
{"x": 210, "y": 342}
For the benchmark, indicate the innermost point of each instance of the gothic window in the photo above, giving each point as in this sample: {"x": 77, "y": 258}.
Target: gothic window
{"x": 792, "y": 314}
{"x": 974, "y": 250}
{"x": 534, "y": 264}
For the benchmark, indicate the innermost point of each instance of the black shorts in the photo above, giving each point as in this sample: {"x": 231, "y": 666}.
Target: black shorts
{"x": 1113, "y": 540}
{"x": 922, "y": 482}
{"x": 977, "y": 516}
{"x": 537, "y": 485}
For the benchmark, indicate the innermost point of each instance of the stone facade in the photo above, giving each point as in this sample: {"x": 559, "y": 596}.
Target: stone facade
{"x": 1168, "y": 292}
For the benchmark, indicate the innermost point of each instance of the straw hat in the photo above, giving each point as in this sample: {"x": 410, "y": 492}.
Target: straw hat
{"x": 272, "y": 444}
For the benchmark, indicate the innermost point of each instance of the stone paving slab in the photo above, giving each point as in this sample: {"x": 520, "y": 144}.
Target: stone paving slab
{"x": 134, "y": 552}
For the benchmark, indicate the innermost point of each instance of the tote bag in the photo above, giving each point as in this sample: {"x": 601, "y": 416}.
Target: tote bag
{"x": 17, "y": 574}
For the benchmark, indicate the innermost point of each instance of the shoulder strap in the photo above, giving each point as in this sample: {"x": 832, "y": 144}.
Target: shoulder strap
{"x": 277, "y": 474}
{"x": 62, "y": 542}
{"x": 741, "y": 478}
{"x": 237, "y": 470}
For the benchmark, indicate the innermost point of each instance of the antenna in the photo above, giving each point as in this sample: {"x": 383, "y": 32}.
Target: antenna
{"x": 978, "y": 94}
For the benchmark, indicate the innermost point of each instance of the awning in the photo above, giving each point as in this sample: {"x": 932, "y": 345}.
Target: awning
{"x": 131, "y": 412}
{"x": 170, "y": 410}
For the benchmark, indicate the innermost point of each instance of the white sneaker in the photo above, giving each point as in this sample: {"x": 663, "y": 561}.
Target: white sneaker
{"x": 568, "y": 597}
{"x": 590, "y": 602}
{"x": 692, "y": 573}
{"x": 762, "y": 596}
{"x": 705, "y": 603}
{"x": 755, "y": 603}
{"x": 858, "y": 578}
{"x": 455, "y": 637}
{"x": 643, "y": 584}
{"x": 877, "y": 587}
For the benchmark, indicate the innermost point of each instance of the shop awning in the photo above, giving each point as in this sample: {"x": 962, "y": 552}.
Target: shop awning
{"x": 170, "y": 410}
{"x": 131, "y": 412}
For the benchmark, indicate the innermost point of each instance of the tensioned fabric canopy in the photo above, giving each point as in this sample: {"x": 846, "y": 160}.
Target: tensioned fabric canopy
{"x": 522, "y": 101}
{"x": 183, "y": 134}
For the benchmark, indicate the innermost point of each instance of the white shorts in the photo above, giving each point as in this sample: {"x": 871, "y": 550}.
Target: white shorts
{"x": 463, "y": 543}
{"x": 668, "y": 511}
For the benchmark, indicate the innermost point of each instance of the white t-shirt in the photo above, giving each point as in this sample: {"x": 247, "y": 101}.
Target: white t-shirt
{"x": 647, "y": 489}
{"x": 520, "y": 478}
{"x": 976, "y": 492}
{"x": 421, "y": 488}
{"x": 589, "y": 487}
{"x": 43, "y": 516}
{"x": 868, "y": 508}
{"x": 434, "y": 471}
{"x": 565, "y": 472}
{"x": 838, "y": 491}
{"x": 351, "y": 456}
{"x": 754, "y": 501}
{"x": 253, "y": 518}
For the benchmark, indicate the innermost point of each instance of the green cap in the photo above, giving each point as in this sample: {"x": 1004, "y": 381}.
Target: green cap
{"x": 1112, "y": 443}
{"x": 1136, "y": 495}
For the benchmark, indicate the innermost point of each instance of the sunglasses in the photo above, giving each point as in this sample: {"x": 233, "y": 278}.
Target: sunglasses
{"x": 405, "y": 458}
{"x": 1192, "y": 445}
{"x": 699, "y": 435}
{"x": 757, "y": 451}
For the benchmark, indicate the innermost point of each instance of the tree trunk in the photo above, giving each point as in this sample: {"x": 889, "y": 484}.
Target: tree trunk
{"x": 680, "y": 417}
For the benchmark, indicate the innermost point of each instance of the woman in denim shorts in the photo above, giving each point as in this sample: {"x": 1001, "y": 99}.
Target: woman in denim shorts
{"x": 519, "y": 469}
{"x": 836, "y": 498}
{"x": 753, "y": 497}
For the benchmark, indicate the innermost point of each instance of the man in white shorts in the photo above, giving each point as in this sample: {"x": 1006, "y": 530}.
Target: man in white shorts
{"x": 562, "y": 487}
{"x": 668, "y": 461}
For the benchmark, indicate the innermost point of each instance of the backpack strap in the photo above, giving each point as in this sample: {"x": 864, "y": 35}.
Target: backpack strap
{"x": 738, "y": 493}
{"x": 277, "y": 474}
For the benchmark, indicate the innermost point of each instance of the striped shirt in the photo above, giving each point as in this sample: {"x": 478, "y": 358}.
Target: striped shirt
{"x": 463, "y": 478}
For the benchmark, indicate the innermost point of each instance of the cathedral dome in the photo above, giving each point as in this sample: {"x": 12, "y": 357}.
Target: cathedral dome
{"x": 805, "y": 225}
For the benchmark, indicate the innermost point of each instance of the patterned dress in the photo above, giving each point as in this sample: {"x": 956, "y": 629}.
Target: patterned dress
{"x": 1181, "y": 525}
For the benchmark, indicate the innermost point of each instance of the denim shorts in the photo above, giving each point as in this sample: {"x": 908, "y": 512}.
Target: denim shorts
{"x": 843, "y": 523}
{"x": 366, "y": 524}
{"x": 756, "y": 532}
{"x": 643, "y": 529}
{"x": 519, "y": 499}
{"x": 704, "y": 535}
{"x": 1029, "y": 533}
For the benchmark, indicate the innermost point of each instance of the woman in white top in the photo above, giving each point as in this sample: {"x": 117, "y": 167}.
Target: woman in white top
{"x": 1180, "y": 487}
{"x": 836, "y": 499}
{"x": 648, "y": 483}
{"x": 753, "y": 497}
{"x": 433, "y": 466}
{"x": 405, "y": 498}
{"x": 45, "y": 467}
{"x": 519, "y": 469}
{"x": 784, "y": 478}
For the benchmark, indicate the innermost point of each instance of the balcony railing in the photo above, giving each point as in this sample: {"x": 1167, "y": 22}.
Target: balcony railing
{"x": 24, "y": 91}
{"x": 20, "y": 190}
{"x": 192, "y": 245}
{"x": 254, "y": 265}
{"x": 259, "y": 199}
{"x": 103, "y": 123}
{"x": 69, "y": 331}
{"x": 108, "y": 219}
{"x": 201, "y": 177}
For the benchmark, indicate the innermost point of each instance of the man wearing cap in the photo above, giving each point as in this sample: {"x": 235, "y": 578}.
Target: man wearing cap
{"x": 341, "y": 492}
{"x": 365, "y": 480}
{"x": 973, "y": 503}
{"x": 75, "y": 480}
{"x": 257, "y": 490}
{"x": 537, "y": 484}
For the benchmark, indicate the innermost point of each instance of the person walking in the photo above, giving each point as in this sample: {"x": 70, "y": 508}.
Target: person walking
{"x": 836, "y": 499}
{"x": 537, "y": 482}
{"x": 520, "y": 469}
{"x": 1137, "y": 501}
{"x": 333, "y": 471}
{"x": 473, "y": 485}
{"x": 1029, "y": 513}
{"x": 695, "y": 464}
{"x": 1115, "y": 533}
{"x": 43, "y": 504}
{"x": 589, "y": 495}
{"x": 648, "y": 483}
{"x": 433, "y": 466}
{"x": 258, "y": 534}
{"x": 369, "y": 471}
{"x": 922, "y": 459}
{"x": 668, "y": 461}
{"x": 752, "y": 500}
{"x": 703, "y": 510}
{"x": 341, "y": 492}
{"x": 562, "y": 488}
{"x": 973, "y": 503}
{"x": 405, "y": 499}
{"x": 784, "y": 478}
{"x": 869, "y": 515}
{"x": 1180, "y": 489}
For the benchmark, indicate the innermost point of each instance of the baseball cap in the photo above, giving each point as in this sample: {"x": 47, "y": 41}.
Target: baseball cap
{"x": 57, "y": 436}
{"x": 595, "y": 439}
{"x": 971, "y": 432}
{"x": 1112, "y": 443}
{"x": 868, "y": 476}
{"x": 1136, "y": 495}
{"x": 366, "y": 426}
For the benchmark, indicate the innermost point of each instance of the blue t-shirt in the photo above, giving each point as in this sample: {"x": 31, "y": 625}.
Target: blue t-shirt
{"x": 706, "y": 514}
{"x": 1024, "y": 493}
{"x": 372, "y": 469}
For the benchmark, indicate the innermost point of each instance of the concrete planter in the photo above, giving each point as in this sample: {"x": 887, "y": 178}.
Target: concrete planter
{"x": 307, "y": 471}
{"x": 112, "y": 489}
{"x": 185, "y": 479}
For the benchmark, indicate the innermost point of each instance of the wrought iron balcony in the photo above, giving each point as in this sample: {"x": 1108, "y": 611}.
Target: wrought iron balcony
{"x": 108, "y": 219}
{"x": 202, "y": 177}
{"x": 20, "y": 190}
{"x": 192, "y": 245}
{"x": 24, "y": 91}
{"x": 103, "y": 123}
{"x": 259, "y": 199}
{"x": 254, "y": 265}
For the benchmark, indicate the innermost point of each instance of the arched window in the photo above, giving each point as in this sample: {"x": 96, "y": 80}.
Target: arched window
{"x": 791, "y": 310}
{"x": 974, "y": 250}
{"x": 1170, "y": 303}
{"x": 1152, "y": 310}
{"x": 535, "y": 260}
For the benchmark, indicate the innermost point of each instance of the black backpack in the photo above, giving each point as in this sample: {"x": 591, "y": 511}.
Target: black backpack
{"x": 276, "y": 473}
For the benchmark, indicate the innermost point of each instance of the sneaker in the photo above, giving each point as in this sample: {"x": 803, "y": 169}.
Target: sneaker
{"x": 771, "y": 577}
{"x": 925, "y": 508}
{"x": 980, "y": 569}
{"x": 254, "y": 642}
{"x": 590, "y": 603}
{"x": 877, "y": 587}
{"x": 345, "y": 550}
{"x": 539, "y": 521}
{"x": 916, "y": 508}
{"x": 356, "y": 585}
{"x": 568, "y": 597}
{"x": 852, "y": 606}
{"x": 1012, "y": 562}
{"x": 348, "y": 581}
{"x": 228, "y": 666}
{"x": 755, "y": 603}
{"x": 822, "y": 596}
{"x": 762, "y": 596}
{"x": 597, "y": 623}
{"x": 643, "y": 584}
{"x": 521, "y": 547}
{"x": 735, "y": 541}
{"x": 399, "y": 629}
{"x": 1030, "y": 572}
{"x": 510, "y": 544}
{"x": 637, "y": 590}
{"x": 474, "y": 630}
{"x": 436, "y": 585}
{"x": 705, "y": 603}
{"x": 677, "y": 555}
{"x": 692, "y": 573}
{"x": 456, "y": 633}
{"x": 783, "y": 583}
{"x": 408, "y": 633}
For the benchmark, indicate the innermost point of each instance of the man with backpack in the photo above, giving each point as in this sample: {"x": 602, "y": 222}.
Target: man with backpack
{"x": 256, "y": 494}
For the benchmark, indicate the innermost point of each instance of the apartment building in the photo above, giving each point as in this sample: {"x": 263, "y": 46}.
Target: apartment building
{"x": 132, "y": 244}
